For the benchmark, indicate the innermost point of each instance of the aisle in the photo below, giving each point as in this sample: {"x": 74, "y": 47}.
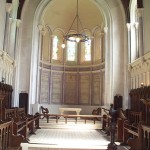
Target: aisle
{"x": 70, "y": 136}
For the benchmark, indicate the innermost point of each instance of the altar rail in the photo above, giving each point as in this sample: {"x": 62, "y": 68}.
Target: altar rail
{"x": 84, "y": 117}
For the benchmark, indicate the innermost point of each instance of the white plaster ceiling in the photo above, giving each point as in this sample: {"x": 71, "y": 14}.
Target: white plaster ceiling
{"x": 60, "y": 14}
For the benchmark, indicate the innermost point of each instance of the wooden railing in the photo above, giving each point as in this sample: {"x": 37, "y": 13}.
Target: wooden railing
{"x": 22, "y": 124}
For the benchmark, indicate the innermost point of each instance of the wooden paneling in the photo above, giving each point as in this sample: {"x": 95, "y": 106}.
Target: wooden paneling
{"x": 56, "y": 88}
{"x": 71, "y": 86}
{"x": 44, "y": 88}
{"x": 96, "y": 89}
{"x": 84, "y": 88}
{"x": 70, "y": 89}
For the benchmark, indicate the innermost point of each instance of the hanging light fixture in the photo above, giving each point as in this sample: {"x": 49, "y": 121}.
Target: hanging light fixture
{"x": 77, "y": 37}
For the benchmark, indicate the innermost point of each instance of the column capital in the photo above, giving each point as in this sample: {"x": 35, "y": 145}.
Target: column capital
{"x": 101, "y": 34}
{"x": 128, "y": 26}
{"x": 42, "y": 29}
{"x": 130, "y": 67}
{"x": 18, "y": 22}
{"x": 40, "y": 26}
{"x": 105, "y": 29}
{"x": 8, "y": 7}
{"x": 136, "y": 24}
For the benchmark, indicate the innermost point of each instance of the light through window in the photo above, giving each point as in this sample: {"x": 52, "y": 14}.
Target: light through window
{"x": 87, "y": 55}
{"x": 71, "y": 51}
{"x": 55, "y": 48}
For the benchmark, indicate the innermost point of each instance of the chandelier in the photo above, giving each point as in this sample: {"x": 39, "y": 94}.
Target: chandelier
{"x": 76, "y": 37}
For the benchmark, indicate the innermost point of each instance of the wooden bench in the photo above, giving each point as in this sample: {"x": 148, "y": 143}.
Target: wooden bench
{"x": 66, "y": 116}
{"x": 54, "y": 116}
{"x": 32, "y": 123}
{"x": 22, "y": 124}
{"x": 9, "y": 141}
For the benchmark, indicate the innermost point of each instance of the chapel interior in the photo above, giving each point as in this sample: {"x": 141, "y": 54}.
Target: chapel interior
{"x": 75, "y": 61}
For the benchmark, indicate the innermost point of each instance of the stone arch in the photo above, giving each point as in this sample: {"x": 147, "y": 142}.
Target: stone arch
{"x": 114, "y": 64}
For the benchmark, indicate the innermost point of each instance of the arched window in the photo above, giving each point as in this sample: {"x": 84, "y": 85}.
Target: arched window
{"x": 55, "y": 48}
{"x": 87, "y": 55}
{"x": 57, "y": 51}
{"x": 45, "y": 44}
{"x": 71, "y": 51}
{"x": 98, "y": 45}
{"x": 86, "y": 49}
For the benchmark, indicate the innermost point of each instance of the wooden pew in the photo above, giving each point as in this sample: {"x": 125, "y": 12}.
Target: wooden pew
{"x": 9, "y": 114}
{"x": 25, "y": 124}
{"x": 9, "y": 141}
{"x": 32, "y": 123}
{"x": 145, "y": 136}
{"x": 132, "y": 129}
{"x": 2, "y": 106}
{"x": 120, "y": 120}
{"x": 22, "y": 124}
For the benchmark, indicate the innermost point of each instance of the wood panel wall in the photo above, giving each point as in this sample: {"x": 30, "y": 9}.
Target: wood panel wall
{"x": 71, "y": 87}
{"x": 135, "y": 99}
{"x": 6, "y": 92}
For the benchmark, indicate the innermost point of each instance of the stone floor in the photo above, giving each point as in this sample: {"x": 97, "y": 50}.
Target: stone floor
{"x": 70, "y": 136}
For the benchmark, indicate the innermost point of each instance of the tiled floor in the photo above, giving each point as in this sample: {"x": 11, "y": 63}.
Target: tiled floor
{"x": 70, "y": 136}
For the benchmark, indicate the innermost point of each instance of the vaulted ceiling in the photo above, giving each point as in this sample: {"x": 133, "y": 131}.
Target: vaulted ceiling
{"x": 124, "y": 2}
{"x": 60, "y": 14}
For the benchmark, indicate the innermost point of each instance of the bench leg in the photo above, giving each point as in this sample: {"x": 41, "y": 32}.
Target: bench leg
{"x": 76, "y": 120}
{"x": 47, "y": 117}
{"x": 94, "y": 120}
{"x": 66, "y": 120}
{"x": 56, "y": 119}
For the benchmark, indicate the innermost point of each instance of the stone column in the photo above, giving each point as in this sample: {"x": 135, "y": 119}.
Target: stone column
{"x": 108, "y": 91}
{"x": 12, "y": 37}
{"x": 102, "y": 50}
{"x": 41, "y": 34}
{"x": 137, "y": 38}
{"x": 103, "y": 86}
{"x": 141, "y": 40}
{"x": 15, "y": 82}
{"x": 10, "y": 20}
{"x": 148, "y": 78}
{"x": 129, "y": 42}
{"x": 7, "y": 24}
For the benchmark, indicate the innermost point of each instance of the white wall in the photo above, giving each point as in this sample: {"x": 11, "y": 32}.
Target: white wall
{"x": 2, "y": 22}
{"x": 146, "y": 26}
